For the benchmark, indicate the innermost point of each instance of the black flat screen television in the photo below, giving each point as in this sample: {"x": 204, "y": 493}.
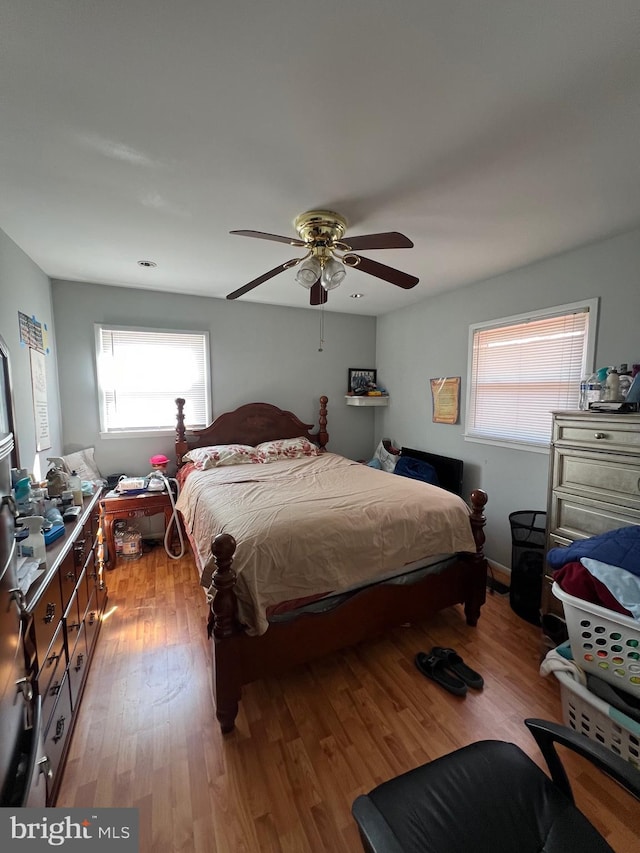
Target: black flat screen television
{"x": 449, "y": 470}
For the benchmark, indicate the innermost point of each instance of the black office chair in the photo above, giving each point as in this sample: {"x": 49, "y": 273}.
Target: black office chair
{"x": 489, "y": 797}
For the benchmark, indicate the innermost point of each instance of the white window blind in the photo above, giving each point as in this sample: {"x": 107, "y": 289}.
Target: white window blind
{"x": 523, "y": 370}
{"x": 142, "y": 371}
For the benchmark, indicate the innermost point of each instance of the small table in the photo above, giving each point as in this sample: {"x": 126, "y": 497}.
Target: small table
{"x": 115, "y": 506}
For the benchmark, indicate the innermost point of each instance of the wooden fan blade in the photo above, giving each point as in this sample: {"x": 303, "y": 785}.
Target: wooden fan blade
{"x": 317, "y": 294}
{"x": 387, "y": 240}
{"x": 256, "y": 281}
{"x": 400, "y": 279}
{"x": 292, "y": 241}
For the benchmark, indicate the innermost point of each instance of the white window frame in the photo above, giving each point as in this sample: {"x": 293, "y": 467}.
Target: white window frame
{"x": 107, "y": 431}
{"x": 589, "y": 306}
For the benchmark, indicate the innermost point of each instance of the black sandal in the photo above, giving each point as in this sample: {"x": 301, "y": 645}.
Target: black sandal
{"x": 454, "y": 663}
{"x": 434, "y": 667}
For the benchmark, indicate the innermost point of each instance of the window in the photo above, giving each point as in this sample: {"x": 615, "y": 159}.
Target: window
{"x": 142, "y": 371}
{"x": 522, "y": 368}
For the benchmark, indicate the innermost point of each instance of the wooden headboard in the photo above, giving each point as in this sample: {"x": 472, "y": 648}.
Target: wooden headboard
{"x": 250, "y": 424}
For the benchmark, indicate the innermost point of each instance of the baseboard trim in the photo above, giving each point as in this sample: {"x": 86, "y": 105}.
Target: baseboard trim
{"x": 499, "y": 578}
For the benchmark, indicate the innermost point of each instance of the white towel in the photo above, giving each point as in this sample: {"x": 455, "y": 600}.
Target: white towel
{"x": 553, "y": 662}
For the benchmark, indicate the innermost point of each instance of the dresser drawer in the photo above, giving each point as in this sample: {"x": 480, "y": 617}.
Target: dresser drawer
{"x": 46, "y": 617}
{"x": 554, "y": 541}
{"x": 591, "y": 432}
{"x": 608, "y": 477}
{"x": 77, "y": 667}
{"x": 50, "y": 683}
{"x": 575, "y": 517}
{"x": 56, "y": 735}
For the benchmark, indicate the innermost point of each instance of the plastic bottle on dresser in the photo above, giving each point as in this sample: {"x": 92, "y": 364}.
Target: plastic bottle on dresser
{"x": 625, "y": 381}
{"x": 33, "y": 547}
{"x": 75, "y": 485}
{"x": 583, "y": 400}
{"x": 612, "y": 386}
{"x": 593, "y": 391}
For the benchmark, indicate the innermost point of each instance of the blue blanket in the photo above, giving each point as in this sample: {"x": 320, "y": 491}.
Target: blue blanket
{"x": 416, "y": 469}
{"x": 619, "y": 547}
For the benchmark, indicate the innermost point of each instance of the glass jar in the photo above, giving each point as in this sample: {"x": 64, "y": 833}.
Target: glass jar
{"x": 131, "y": 544}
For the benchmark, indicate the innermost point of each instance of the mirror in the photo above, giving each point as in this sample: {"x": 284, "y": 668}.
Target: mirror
{"x": 7, "y": 416}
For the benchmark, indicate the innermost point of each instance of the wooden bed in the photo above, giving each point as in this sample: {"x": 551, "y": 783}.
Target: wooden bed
{"x": 239, "y": 658}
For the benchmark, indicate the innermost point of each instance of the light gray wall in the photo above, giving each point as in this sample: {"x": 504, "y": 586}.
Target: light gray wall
{"x": 431, "y": 339}
{"x": 25, "y": 288}
{"x": 258, "y": 353}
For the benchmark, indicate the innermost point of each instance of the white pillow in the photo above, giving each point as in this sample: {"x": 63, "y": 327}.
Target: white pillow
{"x": 83, "y": 464}
{"x": 286, "y": 448}
{"x": 217, "y": 455}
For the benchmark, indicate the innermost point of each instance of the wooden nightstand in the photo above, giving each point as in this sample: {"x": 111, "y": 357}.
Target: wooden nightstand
{"x": 114, "y": 507}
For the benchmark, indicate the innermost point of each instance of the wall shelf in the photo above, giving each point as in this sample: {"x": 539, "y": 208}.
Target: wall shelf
{"x": 356, "y": 400}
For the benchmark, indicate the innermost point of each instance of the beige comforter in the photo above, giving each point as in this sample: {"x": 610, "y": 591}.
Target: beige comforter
{"x": 310, "y": 526}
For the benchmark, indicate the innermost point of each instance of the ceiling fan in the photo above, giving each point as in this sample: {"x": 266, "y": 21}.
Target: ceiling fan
{"x": 322, "y": 268}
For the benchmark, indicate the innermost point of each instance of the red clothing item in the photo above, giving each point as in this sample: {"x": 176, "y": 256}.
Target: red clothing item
{"x": 579, "y": 582}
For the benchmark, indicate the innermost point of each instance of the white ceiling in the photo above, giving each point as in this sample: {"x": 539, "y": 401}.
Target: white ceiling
{"x": 491, "y": 132}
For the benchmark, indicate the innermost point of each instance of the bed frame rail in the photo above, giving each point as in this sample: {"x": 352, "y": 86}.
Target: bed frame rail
{"x": 239, "y": 658}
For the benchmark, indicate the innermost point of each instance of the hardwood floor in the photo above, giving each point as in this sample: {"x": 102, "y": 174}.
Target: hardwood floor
{"x": 306, "y": 744}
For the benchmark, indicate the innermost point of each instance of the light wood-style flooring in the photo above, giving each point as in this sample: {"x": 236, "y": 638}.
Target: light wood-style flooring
{"x": 306, "y": 744}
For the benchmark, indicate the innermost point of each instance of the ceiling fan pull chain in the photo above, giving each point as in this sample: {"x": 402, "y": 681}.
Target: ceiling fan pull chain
{"x": 320, "y": 348}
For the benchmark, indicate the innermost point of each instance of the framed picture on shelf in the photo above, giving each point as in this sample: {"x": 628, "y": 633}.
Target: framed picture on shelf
{"x": 361, "y": 380}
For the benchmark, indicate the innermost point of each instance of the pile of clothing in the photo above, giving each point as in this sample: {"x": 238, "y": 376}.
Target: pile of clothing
{"x": 603, "y": 570}
{"x": 561, "y": 658}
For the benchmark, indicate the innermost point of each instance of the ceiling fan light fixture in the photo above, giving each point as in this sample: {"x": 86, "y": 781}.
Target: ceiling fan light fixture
{"x": 309, "y": 272}
{"x": 333, "y": 273}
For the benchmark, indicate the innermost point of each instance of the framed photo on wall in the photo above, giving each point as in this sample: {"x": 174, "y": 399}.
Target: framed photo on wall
{"x": 361, "y": 379}
{"x": 445, "y": 395}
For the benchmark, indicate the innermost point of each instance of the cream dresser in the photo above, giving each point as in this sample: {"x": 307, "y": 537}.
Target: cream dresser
{"x": 594, "y": 481}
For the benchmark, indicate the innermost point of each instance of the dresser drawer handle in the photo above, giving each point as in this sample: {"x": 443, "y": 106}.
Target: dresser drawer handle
{"x": 59, "y": 729}
{"x": 50, "y": 612}
{"x": 45, "y": 767}
{"x": 599, "y": 435}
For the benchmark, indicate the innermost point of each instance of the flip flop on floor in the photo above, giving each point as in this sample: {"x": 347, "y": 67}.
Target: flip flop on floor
{"x": 435, "y": 668}
{"x": 454, "y": 663}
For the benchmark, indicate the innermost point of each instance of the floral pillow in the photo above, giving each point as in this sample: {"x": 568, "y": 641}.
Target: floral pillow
{"x": 286, "y": 448}
{"x": 221, "y": 454}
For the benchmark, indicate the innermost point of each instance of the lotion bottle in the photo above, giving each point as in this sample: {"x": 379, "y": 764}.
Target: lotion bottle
{"x": 75, "y": 485}
{"x": 612, "y": 386}
{"x": 34, "y": 546}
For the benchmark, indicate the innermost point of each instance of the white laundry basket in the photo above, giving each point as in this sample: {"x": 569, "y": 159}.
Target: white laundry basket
{"x": 586, "y": 713}
{"x": 603, "y": 642}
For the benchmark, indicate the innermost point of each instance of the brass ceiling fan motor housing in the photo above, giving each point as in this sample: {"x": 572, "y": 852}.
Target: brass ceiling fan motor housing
{"x": 320, "y": 230}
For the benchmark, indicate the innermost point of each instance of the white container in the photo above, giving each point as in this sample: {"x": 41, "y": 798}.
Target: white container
{"x": 131, "y": 548}
{"x": 75, "y": 486}
{"x": 588, "y": 714}
{"x": 612, "y": 386}
{"x": 603, "y": 642}
{"x": 33, "y": 547}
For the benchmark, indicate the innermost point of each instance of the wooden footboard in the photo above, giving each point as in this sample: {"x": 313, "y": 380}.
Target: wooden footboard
{"x": 239, "y": 659}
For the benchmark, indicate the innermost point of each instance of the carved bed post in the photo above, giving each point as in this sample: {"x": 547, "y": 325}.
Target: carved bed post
{"x": 223, "y": 625}
{"x": 478, "y": 591}
{"x": 323, "y": 435}
{"x": 181, "y": 441}
{"x": 223, "y": 606}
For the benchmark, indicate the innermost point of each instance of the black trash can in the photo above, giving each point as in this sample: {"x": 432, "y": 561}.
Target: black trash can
{"x": 528, "y": 540}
